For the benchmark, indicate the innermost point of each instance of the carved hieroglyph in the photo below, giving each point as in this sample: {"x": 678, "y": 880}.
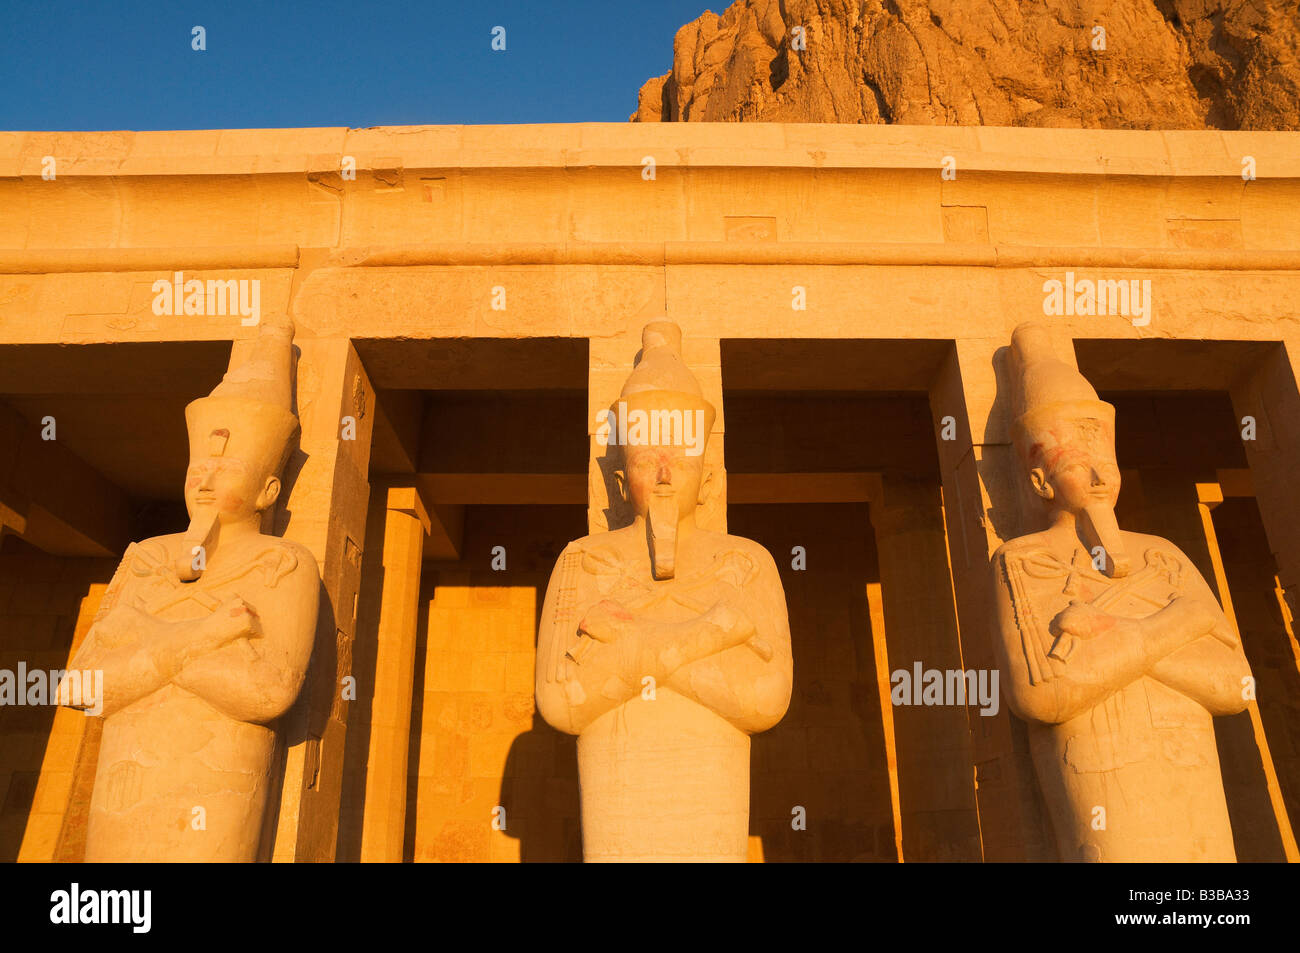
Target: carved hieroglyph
{"x": 203, "y": 638}
{"x": 663, "y": 646}
{"x": 1113, "y": 648}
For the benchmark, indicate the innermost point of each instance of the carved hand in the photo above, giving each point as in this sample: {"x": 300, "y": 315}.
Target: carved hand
{"x": 231, "y": 620}
{"x": 122, "y": 624}
{"x": 606, "y": 621}
{"x": 1184, "y": 614}
{"x": 1082, "y": 621}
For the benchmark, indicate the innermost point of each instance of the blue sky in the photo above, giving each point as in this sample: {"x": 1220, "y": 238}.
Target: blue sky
{"x": 118, "y": 64}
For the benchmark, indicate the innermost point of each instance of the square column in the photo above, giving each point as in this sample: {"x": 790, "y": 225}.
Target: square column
{"x": 406, "y": 521}
{"x": 983, "y": 507}
{"x": 1267, "y": 398}
{"x": 936, "y": 808}
{"x": 326, "y": 512}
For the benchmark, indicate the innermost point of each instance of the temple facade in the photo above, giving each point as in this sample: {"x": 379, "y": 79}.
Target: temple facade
{"x": 466, "y": 302}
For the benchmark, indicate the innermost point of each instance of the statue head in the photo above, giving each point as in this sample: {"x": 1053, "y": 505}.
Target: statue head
{"x": 239, "y": 439}
{"x": 1065, "y": 437}
{"x": 663, "y": 424}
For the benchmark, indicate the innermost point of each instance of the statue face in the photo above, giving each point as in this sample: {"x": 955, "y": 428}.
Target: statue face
{"x": 656, "y": 471}
{"x": 1080, "y": 471}
{"x": 228, "y": 486}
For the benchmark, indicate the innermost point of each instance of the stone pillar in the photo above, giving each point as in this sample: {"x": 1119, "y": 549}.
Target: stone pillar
{"x": 936, "y": 789}
{"x": 982, "y": 508}
{"x": 328, "y": 493}
{"x": 1209, "y": 495}
{"x": 1268, "y": 396}
{"x": 384, "y": 824}
{"x": 1268, "y": 636}
{"x": 56, "y": 824}
{"x": 1177, "y": 506}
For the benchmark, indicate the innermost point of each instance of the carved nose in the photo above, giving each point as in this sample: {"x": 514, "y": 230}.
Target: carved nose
{"x": 665, "y": 476}
{"x": 1097, "y": 479}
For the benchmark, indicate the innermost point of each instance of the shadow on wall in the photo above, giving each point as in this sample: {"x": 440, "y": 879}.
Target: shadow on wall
{"x": 477, "y": 743}
{"x": 539, "y": 786}
{"x": 540, "y": 795}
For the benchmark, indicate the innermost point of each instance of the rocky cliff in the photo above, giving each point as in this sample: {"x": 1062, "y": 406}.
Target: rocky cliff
{"x": 1119, "y": 64}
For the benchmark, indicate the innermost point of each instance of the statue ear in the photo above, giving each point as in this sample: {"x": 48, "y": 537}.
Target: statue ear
{"x": 1039, "y": 480}
{"x": 270, "y": 493}
{"x": 706, "y": 486}
{"x": 620, "y": 481}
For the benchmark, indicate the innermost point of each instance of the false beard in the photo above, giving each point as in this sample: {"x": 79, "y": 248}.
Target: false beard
{"x": 661, "y": 533}
{"x": 1097, "y": 527}
{"x": 202, "y": 528}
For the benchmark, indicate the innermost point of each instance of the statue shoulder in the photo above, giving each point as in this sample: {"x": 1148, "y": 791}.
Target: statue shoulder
{"x": 1140, "y": 543}
{"x": 754, "y": 550}
{"x": 751, "y": 559}
{"x": 1020, "y": 545}
{"x": 160, "y": 546}
{"x": 146, "y": 556}
{"x": 1015, "y": 556}
{"x": 583, "y": 543}
{"x": 298, "y": 559}
{"x": 580, "y": 547}
{"x": 603, "y": 547}
{"x": 1148, "y": 549}
{"x": 290, "y": 546}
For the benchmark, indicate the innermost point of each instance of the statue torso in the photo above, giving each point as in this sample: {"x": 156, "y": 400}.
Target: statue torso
{"x": 170, "y": 752}
{"x": 670, "y": 775}
{"x": 1146, "y": 753}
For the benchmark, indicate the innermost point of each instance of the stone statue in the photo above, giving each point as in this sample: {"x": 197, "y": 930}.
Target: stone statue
{"x": 663, "y": 645}
{"x": 1114, "y": 649}
{"x": 203, "y": 638}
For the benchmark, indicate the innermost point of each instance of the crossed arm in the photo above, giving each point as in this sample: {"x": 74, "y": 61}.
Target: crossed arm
{"x": 247, "y": 664}
{"x": 1188, "y": 645}
{"x": 734, "y": 658}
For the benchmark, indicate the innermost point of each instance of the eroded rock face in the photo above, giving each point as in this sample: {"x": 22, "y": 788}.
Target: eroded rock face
{"x": 1166, "y": 64}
